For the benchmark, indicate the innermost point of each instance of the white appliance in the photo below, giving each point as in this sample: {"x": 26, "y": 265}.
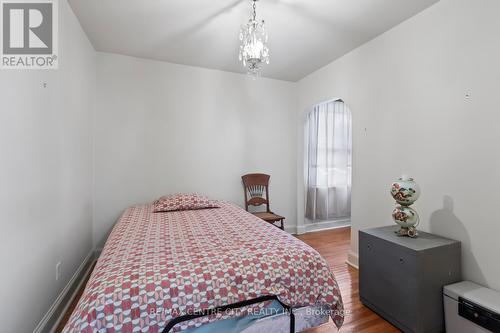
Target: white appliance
{"x": 471, "y": 308}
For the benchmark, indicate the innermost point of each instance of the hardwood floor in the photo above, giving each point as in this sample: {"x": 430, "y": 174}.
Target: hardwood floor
{"x": 333, "y": 245}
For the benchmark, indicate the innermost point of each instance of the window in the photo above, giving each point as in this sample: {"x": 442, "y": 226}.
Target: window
{"x": 329, "y": 161}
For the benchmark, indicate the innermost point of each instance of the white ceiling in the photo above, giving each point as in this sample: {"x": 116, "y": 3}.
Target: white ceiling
{"x": 304, "y": 35}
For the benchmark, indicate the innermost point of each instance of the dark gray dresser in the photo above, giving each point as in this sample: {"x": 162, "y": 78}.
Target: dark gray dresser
{"x": 402, "y": 278}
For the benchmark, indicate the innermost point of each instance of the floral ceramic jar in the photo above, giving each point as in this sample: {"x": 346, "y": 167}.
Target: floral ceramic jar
{"x": 405, "y": 191}
{"x": 405, "y": 216}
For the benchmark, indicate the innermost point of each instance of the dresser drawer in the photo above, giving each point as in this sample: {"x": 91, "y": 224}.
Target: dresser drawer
{"x": 396, "y": 256}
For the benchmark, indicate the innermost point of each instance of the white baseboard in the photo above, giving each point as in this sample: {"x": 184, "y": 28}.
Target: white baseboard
{"x": 49, "y": 322}
{"x": 318, "y": 226}
{"x": 353, "y": 259}
{"x": 301, "y": 229}
{"x": 326, "y": 225}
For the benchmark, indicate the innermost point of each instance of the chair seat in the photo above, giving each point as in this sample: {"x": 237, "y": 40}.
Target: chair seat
{"x": 269, "y": 217}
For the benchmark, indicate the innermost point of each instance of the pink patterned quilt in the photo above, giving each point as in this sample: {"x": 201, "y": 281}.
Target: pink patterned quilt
{"x": 158, "y": 266}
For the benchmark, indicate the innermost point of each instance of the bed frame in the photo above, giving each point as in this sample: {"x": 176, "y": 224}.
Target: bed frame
{"x": 291, "y": 320}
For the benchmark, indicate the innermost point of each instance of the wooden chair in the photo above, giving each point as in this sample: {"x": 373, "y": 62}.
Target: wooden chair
{"x": 257, "y": 193}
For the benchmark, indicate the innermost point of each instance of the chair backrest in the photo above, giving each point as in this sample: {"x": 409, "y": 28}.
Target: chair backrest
{"x": 256, "y": 187}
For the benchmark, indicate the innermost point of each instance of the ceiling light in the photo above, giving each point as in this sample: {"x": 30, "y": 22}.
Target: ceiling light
{"x": 254, "y": 52}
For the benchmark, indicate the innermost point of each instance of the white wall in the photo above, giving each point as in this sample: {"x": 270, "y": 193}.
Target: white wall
{"x": 163, "y": 128}
{"x": 407, "y": 91}
{"x": 45, "y": 177}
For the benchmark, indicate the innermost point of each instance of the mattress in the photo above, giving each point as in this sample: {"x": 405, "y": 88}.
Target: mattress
{"x": 156, "y": 267}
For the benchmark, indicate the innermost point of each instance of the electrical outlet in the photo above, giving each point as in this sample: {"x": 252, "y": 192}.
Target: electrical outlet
{"x": 58, "y": 270}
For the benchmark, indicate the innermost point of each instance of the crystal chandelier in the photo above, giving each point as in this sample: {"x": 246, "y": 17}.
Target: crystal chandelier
{"x": 254, "y": 52}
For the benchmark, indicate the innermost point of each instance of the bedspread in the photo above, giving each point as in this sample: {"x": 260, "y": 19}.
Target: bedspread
{"x": 157, "y": 266}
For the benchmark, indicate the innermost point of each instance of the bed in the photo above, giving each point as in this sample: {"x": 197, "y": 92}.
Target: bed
{"x": 207, "y": 270}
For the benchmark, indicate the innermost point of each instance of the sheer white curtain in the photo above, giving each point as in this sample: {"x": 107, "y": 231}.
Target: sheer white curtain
{"x": 328, "y": 161}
